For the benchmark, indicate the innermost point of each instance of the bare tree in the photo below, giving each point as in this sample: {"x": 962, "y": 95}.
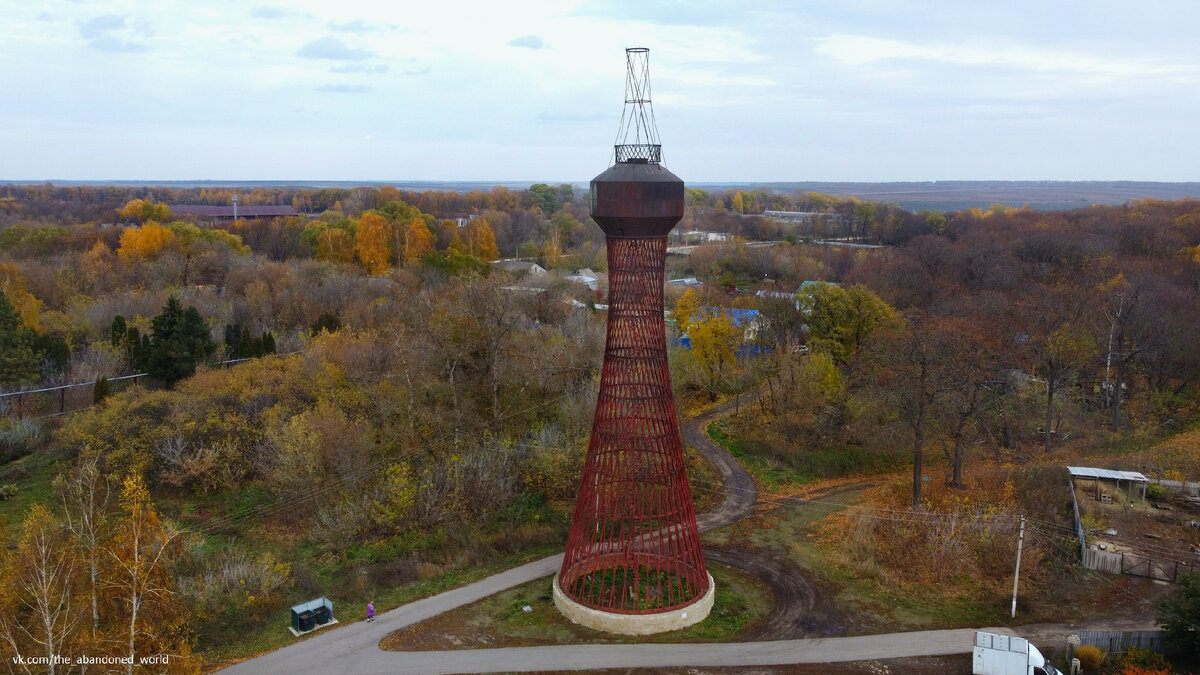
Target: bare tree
{"x": 40, "y": 577}
{"x": 84, "y": 493}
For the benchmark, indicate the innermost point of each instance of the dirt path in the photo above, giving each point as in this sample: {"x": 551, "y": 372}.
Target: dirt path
{"x": 740, "y": 492}
{"x": 801, "y": 608}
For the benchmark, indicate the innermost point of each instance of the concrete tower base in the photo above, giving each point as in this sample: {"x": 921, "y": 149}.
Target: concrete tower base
{"x": 635, "y": 624}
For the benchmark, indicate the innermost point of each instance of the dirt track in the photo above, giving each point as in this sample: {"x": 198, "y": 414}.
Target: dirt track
{"x": 740, "y": 492}
{"x": 802, "y": 609}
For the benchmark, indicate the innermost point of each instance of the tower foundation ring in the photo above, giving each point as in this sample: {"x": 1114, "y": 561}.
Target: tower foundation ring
{"x": 635, "y": 624}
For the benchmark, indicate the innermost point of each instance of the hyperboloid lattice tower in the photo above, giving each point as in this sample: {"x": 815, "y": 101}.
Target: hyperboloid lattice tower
{"x": 633, "y": 563}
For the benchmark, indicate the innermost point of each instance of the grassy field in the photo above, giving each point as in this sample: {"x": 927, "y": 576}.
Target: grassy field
{"x": 31, "y": 476}
{"x": 775, "y": 467}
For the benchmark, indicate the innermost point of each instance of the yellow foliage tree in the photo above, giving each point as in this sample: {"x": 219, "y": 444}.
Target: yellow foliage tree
{"x": 481, "y": 240}
{"x": 417, "y": 241}
{"x": 39, "y": 619}
{"x": 146, "y": 241}
{"x": 144, "y": 211}
{"x": 132, "y": 210}
{"x": 153, "y": 621}
{"x": 714, "y": 342}
{"x": 552, "y": 252}
{"x": 687, "y": 309}
{"x": 335, "y": 244}
{"x": 371, "y": 243}
{"x": 398, "y": 495}
{"x": 12, "y": 284}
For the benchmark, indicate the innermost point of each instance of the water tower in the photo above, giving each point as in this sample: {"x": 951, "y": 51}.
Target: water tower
{"x": 633, "y": 563}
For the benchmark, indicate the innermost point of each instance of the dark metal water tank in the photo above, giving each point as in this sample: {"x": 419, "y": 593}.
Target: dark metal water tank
{"x": 637, "y": 199}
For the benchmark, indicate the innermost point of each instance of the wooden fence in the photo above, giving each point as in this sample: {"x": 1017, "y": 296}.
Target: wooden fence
{"x": 1136, "y": 565}
{"x": 1120, "y": 641}
{"x": 1105, "y": 561}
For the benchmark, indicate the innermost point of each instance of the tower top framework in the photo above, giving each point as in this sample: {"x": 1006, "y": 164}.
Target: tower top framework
{"x": 637, "y": 137}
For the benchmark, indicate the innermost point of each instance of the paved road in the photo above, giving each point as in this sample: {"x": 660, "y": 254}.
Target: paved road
{"x": 364, "y": 656}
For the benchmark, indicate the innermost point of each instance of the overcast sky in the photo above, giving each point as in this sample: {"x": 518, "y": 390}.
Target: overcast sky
{"x": 768, "y": 90}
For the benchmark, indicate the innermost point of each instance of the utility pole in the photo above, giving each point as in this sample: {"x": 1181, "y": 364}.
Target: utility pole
{"x": 1017, "y": 574}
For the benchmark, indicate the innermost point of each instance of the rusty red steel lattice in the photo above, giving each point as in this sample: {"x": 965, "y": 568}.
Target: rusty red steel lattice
{"x": 634, "y": 546}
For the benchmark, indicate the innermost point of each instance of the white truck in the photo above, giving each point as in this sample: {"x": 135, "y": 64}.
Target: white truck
{"x": 1006, "y": 655}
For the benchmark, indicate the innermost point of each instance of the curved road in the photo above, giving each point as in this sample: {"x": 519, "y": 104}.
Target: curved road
{"x": 355, "y": 648}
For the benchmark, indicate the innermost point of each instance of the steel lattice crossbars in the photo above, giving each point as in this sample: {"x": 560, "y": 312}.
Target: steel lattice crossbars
{"x": 634, "y": 546}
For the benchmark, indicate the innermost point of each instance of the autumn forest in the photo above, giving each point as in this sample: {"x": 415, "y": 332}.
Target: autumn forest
{"x": 357, "y": 402}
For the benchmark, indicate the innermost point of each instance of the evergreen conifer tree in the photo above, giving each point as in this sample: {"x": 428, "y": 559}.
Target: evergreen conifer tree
{"x": 178, "y": 339}
{"x": 100, "y": 390}
{"x": 118, "y": 330}
{"x": 19, "y": 363}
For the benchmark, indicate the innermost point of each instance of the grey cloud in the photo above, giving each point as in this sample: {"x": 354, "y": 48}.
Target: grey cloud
{"x": 359, "y": 68}
{"x": 333, "y": 49}
{"x": 101, "y": 25}
{"x": 345, "y": 88}
{"x": 527, "y": 41}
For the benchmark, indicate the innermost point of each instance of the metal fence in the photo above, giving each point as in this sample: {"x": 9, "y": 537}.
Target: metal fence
{"x": 61, "y": 400}
{"x": 1121, "y": 641}
{"x": 71, "y": 398}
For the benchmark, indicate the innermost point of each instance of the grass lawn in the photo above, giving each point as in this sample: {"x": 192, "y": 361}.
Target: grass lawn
{"x": 501, "y": 620}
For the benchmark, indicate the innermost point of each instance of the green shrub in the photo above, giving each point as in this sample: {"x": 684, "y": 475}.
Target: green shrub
{"x": 1156, "y": 492}
{"x": 1090, "y": 657}
{"x": 8, "y": 491}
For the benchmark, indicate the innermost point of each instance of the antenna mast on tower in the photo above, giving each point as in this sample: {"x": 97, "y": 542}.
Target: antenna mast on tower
{"x": 637, "y": 136}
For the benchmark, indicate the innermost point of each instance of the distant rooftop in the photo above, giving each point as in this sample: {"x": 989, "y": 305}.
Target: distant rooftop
{"x": 206, "y": 211}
